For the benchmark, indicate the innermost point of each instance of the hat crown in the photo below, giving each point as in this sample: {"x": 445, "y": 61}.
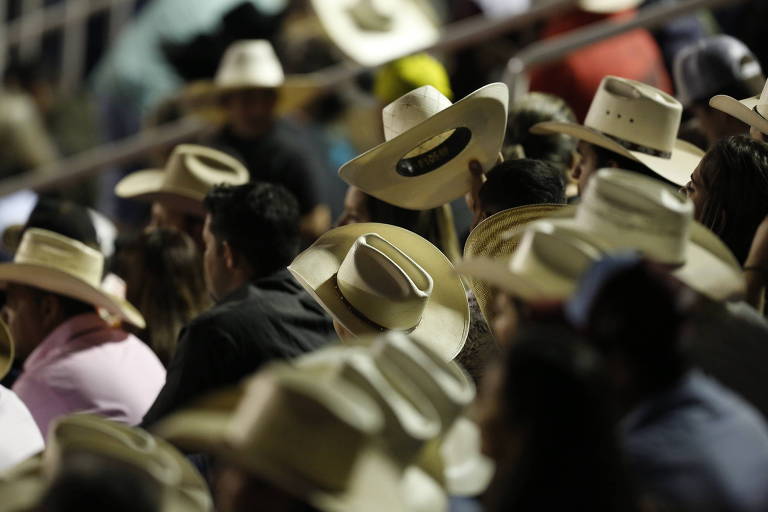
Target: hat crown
{"x": 197, "y": 169}
{"x": 638, "y": 212}
{"x": 411, "y": 109}
{"x": 373, "y": 15}
{"x": 52, "y": 250}
{"x": 383, "y": 284}
{"x": 250, "y": 63}
{"x": 636, "y": 115}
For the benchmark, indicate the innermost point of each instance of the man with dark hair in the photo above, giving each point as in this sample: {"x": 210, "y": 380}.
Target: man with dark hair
{"x": 251, "y": 234}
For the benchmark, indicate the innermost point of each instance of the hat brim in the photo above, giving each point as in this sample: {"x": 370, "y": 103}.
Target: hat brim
{"x": 59, "y": 282}
{"x": 149, "y": 185}
{"x": 7, "y": 350}
{"x": 741, "y": 110}
{"x": 445, "y": 320}
{"x": 483, "y": 113}
{"x": 677, "y": 169}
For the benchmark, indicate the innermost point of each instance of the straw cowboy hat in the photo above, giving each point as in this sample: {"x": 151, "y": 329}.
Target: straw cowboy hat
{"x": 67, "y": 267}
{"x": 373, "y": 277}
{"x": 429, "y": 143}
{"x": 607, "y": 6}
{"x": 486, "y": 240}
{"x": 7, "y": 352}
{"x": 191, "y": 171}
{"x": 622, "y": 210}
{"x": 251, "y": 64}
{"x": 752, "y": 111}
{"x": 372, "y": 32}
{"x": 308, "y": 437}
{"x": 638, "y": 122}
{"x": 179, "y": 484}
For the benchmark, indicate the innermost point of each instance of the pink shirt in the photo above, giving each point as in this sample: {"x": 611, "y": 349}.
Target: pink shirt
{"x": 85, "y": 365}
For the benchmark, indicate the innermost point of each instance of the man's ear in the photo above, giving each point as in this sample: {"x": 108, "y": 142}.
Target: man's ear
{"x": 50, "y": 310}
{"x": 231, "y": 259}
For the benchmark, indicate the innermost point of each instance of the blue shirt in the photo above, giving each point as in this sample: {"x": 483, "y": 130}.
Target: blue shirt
{"x": 699, "y": 447}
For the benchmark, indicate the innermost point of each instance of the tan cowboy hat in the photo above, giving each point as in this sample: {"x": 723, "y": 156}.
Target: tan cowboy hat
{"x": 622, "y": 210}
{"x": 191, "y": 171}
{"x": 486, "y": 240}
{"x": 752, "y": 111}
{"x": 250, "y": 64}
{"x": 7, "y": 352}
{"x": 638, "y": 122}
{"x": 309, "y": 437}
{"x": 180, "y": 486}
{"x": 372, "y": 32}
{"x": 373, "y": 277}
{"x": 61, "y": 265}
{"x": 429, "y": 144}
{"x": 607, "y": 6}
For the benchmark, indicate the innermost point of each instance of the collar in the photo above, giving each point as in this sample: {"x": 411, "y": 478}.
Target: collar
{"x": 280, "y": 279}
{"x": 56, "y": 342}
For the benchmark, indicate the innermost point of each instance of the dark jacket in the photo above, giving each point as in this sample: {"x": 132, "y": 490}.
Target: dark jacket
{"x": 271, "y": 318}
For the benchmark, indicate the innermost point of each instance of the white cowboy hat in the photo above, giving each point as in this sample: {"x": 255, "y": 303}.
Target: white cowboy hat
{"x": 309, "y": 437}
{"x": 607, "y": 6}
{"x": 638, "y": 122}
{"x": 429, "y": 144}
{"x": 191, "y": 171}
{"x": 180, "y": 486}
{"x": 372, "y": 32}
{"x": 752, "y": 111}
{"x": 252, "y": 64}
{"x": 7, "y": 352}
{"x": 61, "y": 265}
{"x": 624, "y": 210}
{"x": 374, "y": 277}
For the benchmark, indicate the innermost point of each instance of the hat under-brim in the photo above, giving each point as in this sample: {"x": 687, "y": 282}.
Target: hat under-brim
{"x": 445, "y": 321}
{"x": 607, "y": 6}
{"x": 56, "y": 281}
{"x": 483, "y": 114}
{"x": 676, "y": 169}
{"x": 743, "y": 110}
{"x": 149, "y": 185}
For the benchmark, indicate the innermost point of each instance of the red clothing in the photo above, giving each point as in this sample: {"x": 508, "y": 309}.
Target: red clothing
{"x": 576, "y": 78}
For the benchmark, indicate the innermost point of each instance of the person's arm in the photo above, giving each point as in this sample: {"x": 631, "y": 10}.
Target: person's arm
{"x": 756, "y": 267}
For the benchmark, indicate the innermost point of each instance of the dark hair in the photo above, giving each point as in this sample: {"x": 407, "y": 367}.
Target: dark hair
{"x": 521, "y": 182}
{"x": 259, "y": 220}
{"x": 734, "y": 175}
{"x": 555, "y": 392}
{"x": 162, "y": 269}
{"x": 64, "y": 217}
{"x": 605, "y": 157}
{"x": 536, "y": 108}
{"x": 421, "y": 222}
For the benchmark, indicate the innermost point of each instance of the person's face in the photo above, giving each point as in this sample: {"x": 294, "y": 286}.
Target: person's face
{"x": 757, "y": 134}
{"x": 355, "y": 207}
{"x": 165, "y": 216}
{"x": 251, "y": 112}
{"x": 214, "y": 264}
{"x": 504, "y": 317}
{"x": 586, "y": 165}
{"x": 24, "y": 313}
{"x": 696, "y": 192}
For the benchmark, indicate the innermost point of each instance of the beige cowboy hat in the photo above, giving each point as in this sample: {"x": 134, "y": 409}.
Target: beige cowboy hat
{"x": 309, "y": 437}
{"x": 429, "y": 144}
{"x": 61, "y": 265}
{"x": 179, "y": 485}
{"x": 373, "y": 277}
{"x": 191, "y": 171}
{"x": 250, "y": 64}
{"x": 487, "y": 241}
{"x": 7, "y": 352}
{"x": 752, "y": 111}
{"x": 622, "y": 210}
{"x": 636, "y": 121}
{"x": 607, "y": 6}
{"x": 372, "y": 32}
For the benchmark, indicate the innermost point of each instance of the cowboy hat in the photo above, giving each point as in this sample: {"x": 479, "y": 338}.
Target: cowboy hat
{"x": 429, "y": 143}
{"x": 607, "y": 6}
{"x": 61, "y": 265}
{"x": 7, "y": 352}
{"x": 486, "y": 241}
{"x": 309, "y": 437}
{"x": 752, "y": 111}
{"x": 250, "y": 64}
{"x": 374, "y": 277}
{"x": 624, "y": 210}
{"x": 636, "y": 121}
{"x": 372, "y": 32}
{"x": 180, "y": 486}
{"x": 191, "y": 171}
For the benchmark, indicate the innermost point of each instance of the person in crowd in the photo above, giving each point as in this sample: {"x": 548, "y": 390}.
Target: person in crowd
{"x": 729, "y": 191}
{"x": 73, "y": 359}
{"x": 691, "y": 443}
{"x": 251, "y": 234}
{"x": 162, "y": 273}
{"x": 547, "y": 419}
{"x": 751, "y": 111}
{"x": 716, "y": 65}
{"x": 249, "y": 85}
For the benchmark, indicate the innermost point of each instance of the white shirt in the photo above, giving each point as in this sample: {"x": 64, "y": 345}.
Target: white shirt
{"x": 19, "y": 436}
